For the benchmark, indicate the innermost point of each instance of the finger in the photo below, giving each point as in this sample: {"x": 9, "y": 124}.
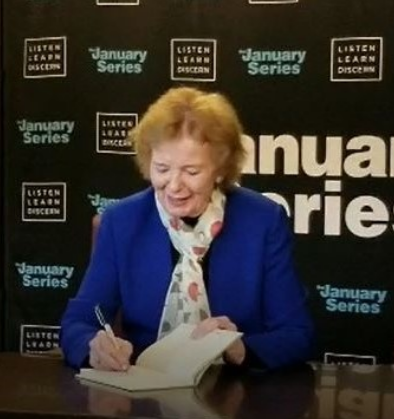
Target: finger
{"x": 126, "y": 348}
{"x": 212, "y": 323}
{"x": 236, "y": 352}
{"x": 103, "y": 344}
{"x": 123, "y": 354}
{"x": 105, "y": 356}
{"x": 118, "y": 358}
{"x": 97, "y": 360}
{"x": 107, "y": 362}
{"x": 94, "y": 360}
{"x": 225, "y": 323}
{"x": 204, "y": 327}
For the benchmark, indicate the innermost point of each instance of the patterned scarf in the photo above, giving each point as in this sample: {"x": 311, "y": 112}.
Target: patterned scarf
{"x": 186, "y": 300}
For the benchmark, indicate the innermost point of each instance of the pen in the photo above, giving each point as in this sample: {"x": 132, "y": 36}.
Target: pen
{"x": 107, "y": 327}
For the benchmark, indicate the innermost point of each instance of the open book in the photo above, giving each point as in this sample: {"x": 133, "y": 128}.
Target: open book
{"x": 176, "y": 360}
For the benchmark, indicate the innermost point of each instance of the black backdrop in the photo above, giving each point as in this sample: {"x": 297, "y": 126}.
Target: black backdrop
{"x": 313, "y": 83}
{"x": 1, "y": 180}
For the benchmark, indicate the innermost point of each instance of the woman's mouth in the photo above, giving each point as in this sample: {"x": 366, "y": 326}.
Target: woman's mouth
{"x": 177, "y": 200}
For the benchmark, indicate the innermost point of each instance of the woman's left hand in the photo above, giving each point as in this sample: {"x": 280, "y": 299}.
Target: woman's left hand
{"x": 235, "y": 354}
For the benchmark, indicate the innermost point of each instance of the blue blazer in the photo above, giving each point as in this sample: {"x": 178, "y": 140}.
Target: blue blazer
{"x": 251, "y": 279}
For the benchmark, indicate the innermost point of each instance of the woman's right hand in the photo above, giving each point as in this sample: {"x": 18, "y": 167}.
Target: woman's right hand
{"x": 235, "y": 353}
{"x": 106, "y": 356}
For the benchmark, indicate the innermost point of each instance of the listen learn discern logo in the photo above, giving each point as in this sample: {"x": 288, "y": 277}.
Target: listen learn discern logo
{"x": 348, "y": 359}
{"x": 117, "y": 2}
{"x": 44, "y": 201}
{"x": 272, "y": 1}
{"x": 356, "y": 59}
{"x": 193, "y": 59}
{"x": 45, "y": 57}
{"x": 112, "y": 131}
{"x": 37, "y": 338}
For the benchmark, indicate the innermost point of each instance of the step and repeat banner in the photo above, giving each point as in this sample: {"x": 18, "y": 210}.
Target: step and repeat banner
{"x": 313, "y": 81}
{"x": 1, "y": 187}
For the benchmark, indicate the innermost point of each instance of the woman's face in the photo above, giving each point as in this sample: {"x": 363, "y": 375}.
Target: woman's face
{"x": 183, "y": 174}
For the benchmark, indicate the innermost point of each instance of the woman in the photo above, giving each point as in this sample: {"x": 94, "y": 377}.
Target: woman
{"x": 193, "y": 247}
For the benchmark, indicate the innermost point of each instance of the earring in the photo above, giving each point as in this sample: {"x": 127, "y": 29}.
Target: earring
{"x": 219, "y": 180}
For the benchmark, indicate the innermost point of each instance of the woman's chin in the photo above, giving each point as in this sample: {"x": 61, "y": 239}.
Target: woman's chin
{"x": 178, "y": 210}
{"x": 178, "y": 213}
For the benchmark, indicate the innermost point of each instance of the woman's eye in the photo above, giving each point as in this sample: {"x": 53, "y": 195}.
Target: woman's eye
{"x": 193, "y": 172}
{"x": 161, "y": 169}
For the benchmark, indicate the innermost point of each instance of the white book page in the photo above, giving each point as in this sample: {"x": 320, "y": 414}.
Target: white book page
{"x": 157, "y": 356}
{"x": 136, "y": 378}
{"x": 179, "y": 355}
{"x": 196, "y": 355}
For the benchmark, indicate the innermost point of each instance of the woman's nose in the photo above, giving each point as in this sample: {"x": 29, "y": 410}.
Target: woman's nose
{"x": 175, "y": 182}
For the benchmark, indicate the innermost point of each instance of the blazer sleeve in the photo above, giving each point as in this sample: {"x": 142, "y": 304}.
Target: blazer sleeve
{"x": 288, "y": 330}
{"x": 100, "y": 285}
